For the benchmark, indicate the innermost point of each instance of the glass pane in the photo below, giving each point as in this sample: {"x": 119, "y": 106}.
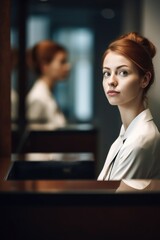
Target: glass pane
{"x": 79, "y": 42}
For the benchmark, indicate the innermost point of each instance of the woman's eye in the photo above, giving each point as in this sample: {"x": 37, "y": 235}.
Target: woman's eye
{"x": 106, "y": 74}
{"x": 123, "y": 73}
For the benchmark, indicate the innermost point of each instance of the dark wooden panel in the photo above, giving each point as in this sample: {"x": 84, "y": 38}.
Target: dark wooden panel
{"x": 5, "y": 65}
{"x": 63, "y": 140}
{"x": 79, "y": 216}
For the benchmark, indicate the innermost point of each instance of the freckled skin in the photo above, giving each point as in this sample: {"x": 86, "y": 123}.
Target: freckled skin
{"x": 121, "y": 75}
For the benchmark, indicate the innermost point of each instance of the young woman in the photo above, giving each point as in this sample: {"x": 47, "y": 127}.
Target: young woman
{"x": 128, "y": 74}
{"x": 49, "y": 61}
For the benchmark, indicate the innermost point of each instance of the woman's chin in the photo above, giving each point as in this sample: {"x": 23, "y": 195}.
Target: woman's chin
{"x": 113, "y": 103}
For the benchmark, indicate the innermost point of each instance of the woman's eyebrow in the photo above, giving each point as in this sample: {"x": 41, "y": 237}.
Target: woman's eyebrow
{"x": 116, "y": 67}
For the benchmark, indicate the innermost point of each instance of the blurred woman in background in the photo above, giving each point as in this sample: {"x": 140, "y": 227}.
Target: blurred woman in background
{"x": 49, "y": 61}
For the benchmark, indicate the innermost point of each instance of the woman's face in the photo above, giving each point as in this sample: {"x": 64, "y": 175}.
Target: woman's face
{"x": 58, "y": 68}
{"x": 122, "y": 82}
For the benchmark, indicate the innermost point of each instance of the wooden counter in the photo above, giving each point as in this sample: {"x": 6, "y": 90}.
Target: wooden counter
{"x": 77, "y": 209}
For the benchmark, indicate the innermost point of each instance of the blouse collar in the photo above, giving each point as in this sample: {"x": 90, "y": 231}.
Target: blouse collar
{"x": 144, "y": 116}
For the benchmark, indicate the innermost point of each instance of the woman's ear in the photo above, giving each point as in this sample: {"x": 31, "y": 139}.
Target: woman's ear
{"x": 146, "y": 79}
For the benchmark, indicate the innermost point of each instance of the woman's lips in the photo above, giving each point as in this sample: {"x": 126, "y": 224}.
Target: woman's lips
{"x": 112, "y": 93}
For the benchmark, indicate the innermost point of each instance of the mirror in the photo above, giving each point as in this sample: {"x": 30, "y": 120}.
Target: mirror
{"x": 84, "y": 29}
{"x": 78, "y": 28}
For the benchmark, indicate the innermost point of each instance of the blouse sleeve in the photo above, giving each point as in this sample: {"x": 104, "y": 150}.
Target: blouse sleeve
{"x": 133, "y": 162}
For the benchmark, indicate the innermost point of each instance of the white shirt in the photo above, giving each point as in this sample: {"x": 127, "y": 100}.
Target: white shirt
{"x": 42, "y": 107}
{"x": 136, "y": 151}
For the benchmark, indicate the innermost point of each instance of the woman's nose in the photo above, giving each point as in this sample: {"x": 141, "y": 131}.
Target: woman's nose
{"x": 112, "y": 81}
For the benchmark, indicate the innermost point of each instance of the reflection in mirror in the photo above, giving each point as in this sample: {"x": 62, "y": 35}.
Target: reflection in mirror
{"x": 51, "y": 40}
{"x": 53, "y": 166}
{"x": 49, "y": 61}
{"x": 73, "y": 98}
{"x": 67, "y": 91}
{"x": 83, "y": 31}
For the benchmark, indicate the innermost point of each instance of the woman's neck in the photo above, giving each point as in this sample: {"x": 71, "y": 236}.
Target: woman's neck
{"x": 129, "y": 113}
{"x": 50, "y": 82}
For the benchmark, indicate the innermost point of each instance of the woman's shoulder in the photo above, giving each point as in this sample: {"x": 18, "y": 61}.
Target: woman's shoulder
{"x": 38, "y": 92}
{"x": 144, "y": 135}
{"x": 144, "y": 127}
{"x": 149, "y": 131}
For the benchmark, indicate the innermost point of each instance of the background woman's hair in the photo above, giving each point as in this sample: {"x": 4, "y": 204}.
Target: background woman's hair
{"x": 42, "y": 53}
{"x": 137, "y": 49}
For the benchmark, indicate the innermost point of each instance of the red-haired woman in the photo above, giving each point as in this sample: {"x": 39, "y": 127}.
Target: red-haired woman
{"x": 128, "y": 74}
{"x": 49, "y": 61}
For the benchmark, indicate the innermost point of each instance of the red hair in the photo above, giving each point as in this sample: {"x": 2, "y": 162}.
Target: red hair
{"x": 43, "y": 53}
{"x": 139, "y": 50}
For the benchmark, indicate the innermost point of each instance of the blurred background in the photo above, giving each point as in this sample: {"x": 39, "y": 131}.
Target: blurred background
{"x": 85, "y": 28}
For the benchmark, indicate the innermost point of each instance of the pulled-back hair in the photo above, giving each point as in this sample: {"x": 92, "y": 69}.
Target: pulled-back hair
{"x": 139, "y": 50}
{"x": 43, "y": 53}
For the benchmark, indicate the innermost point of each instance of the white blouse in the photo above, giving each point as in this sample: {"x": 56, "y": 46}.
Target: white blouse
{"x": 136, "y": 152}
{"x": 42, "y": 108}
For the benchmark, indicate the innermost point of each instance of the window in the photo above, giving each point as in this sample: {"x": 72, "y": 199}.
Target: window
{"x": 76, "y": 93}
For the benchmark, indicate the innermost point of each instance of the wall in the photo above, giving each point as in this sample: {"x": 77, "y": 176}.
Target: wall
{"x": 143, "y": 16}
{"x": 151, "y": 29}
